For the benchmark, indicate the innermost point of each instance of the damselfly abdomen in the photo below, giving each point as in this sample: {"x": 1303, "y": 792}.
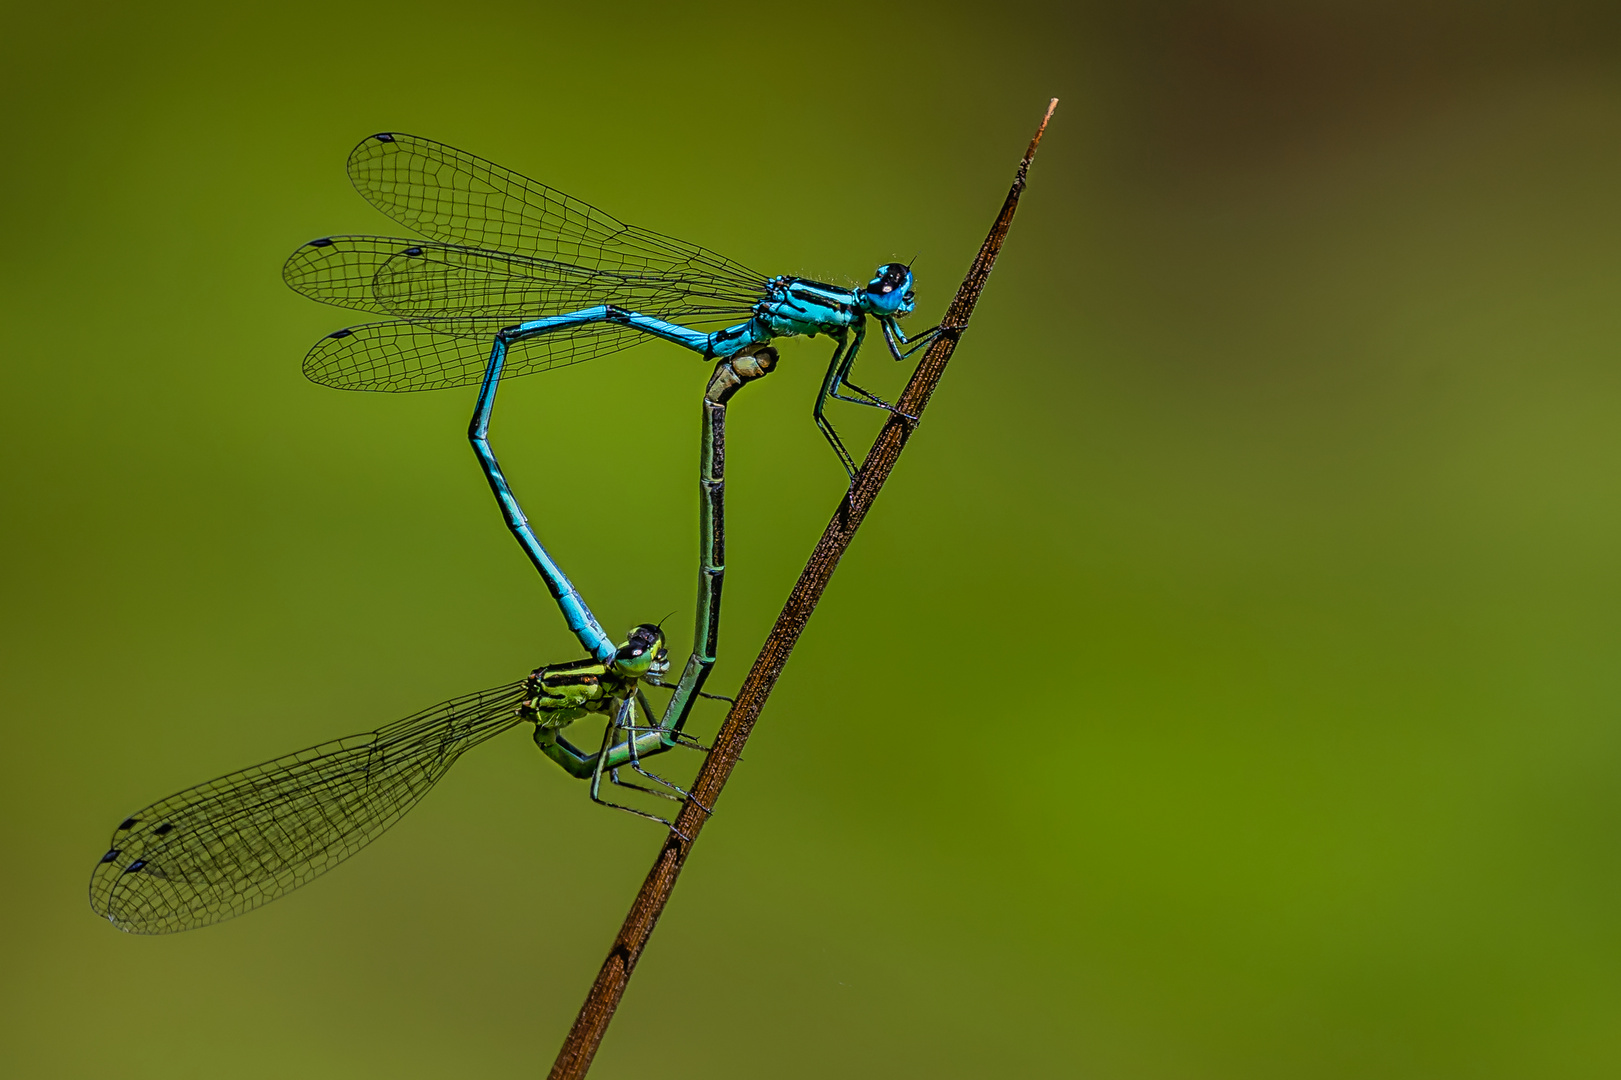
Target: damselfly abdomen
{"x": 519, "y": 269}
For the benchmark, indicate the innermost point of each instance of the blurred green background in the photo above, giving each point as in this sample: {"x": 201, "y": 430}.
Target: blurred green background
{"x": 1226, "y": 684}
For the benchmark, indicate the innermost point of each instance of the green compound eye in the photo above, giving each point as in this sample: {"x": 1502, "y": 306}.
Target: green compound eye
{"x": 519, "y": 272}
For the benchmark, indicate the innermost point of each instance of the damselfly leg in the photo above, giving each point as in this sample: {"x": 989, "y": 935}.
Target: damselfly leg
{"x": 666, "y": 733}
{"x": 225, "y": 847}
{"x": 675, "y": 739}
{"x": 622, "y": 725}
{"x": 507, "y": 255}
{"x": 836, "y": 380}
{"x": 895, "y": 337}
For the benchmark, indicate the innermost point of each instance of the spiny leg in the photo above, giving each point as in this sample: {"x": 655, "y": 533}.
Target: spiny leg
{"x": 829, "y": 385}
{"x": 841, "y": 380}
{"x": 916, "y": 342}
{"x": 619, "y": 723}
{"x": 849, "y": 362}
{"x": 668, "y": 739}
{"x": 577, "y": 762}
{"x": 701, "y": 693}
{"x": 633, "y": 752}
{"x": 636, "y": 759}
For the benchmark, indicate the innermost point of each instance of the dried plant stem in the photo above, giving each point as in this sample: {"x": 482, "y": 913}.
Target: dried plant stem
{"x": 589, "y": 1026}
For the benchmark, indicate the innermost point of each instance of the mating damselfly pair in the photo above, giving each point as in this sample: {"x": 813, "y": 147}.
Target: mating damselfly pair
{"x": 510, "y": 277}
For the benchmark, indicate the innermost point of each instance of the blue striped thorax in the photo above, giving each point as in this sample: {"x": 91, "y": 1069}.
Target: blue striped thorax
{"x": 800, "y": 306}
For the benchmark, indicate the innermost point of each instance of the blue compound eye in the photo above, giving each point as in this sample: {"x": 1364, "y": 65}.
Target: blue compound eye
{"x": 889, "y": 277}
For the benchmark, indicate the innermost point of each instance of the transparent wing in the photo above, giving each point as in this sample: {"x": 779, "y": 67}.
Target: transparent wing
{"x": 425, "y": 279}
{"x": 225, "y": 847}
{"x": 459, "y": 198}
{"x": 435, "y": 353}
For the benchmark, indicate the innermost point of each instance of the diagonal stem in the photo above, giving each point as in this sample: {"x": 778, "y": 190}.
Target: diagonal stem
{"x": 574, "y": 1059}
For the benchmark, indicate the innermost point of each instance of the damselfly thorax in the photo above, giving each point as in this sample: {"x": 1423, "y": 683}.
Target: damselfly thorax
{"x": 798, "y": 306}
{"x": 229, "y": 845}
{"x": 515, "y": 277}
{"x": 558, "y": 694}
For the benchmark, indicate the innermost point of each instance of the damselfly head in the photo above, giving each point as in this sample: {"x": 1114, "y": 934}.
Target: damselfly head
{"x": 642, "y": 652}
{"x": 889, "y": 293}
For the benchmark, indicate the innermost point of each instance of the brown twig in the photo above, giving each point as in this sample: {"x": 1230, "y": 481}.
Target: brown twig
{"x": 586, "y": 1034}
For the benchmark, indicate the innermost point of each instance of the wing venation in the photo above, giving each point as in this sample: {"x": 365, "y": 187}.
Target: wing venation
{"x": 502, "y": 249}
{"x": 432, "y": 354}
{"x": 225, "y": 847}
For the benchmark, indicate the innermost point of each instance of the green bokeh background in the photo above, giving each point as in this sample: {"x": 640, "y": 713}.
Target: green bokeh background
{"x": 1225, "y": 686}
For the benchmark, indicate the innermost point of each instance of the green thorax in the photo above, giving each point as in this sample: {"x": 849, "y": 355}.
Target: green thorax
{"x": 559, "y": 694}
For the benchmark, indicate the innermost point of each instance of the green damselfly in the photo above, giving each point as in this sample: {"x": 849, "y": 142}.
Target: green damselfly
{"x": 227, "y": 846}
